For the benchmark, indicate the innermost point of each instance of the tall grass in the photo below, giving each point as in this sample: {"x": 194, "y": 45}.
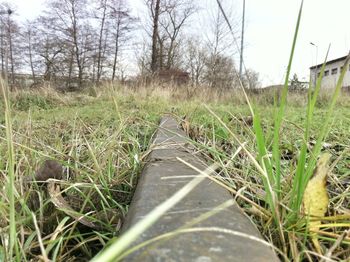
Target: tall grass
{"x": 303, "y": 176}
{"x": 300, "y": 180}
{"x": 272, "y": 165}
{"x": 110, "y": 151}
{"x": 269, "y": 152}
{"x": 102, "y": 153}
{"x": 12, "y": 247}
{"x": 103, "y": 147}
{"x": 268, "y": 160}
{"x": 306, "y": 164}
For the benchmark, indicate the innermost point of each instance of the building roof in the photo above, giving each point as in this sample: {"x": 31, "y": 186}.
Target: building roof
{"x": 329, "y": 62}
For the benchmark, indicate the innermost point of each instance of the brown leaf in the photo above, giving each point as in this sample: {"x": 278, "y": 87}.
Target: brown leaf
{"x": 62, "y": 204}
{"x": 315, "y": 199}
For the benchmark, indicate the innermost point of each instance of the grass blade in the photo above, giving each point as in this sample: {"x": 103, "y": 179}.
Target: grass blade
{"x": 296, "y": 195}
{"x": 13, "y": 245}
{"x": 276, "y": 155}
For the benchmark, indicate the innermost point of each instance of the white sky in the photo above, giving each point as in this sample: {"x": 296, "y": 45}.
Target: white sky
{"x": 269, "y": 31}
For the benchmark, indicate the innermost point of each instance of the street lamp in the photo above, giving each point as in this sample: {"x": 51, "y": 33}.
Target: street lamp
{"x": 313, "y": 44}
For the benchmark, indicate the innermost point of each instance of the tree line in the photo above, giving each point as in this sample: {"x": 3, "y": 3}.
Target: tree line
{"x": 74, "y": 42}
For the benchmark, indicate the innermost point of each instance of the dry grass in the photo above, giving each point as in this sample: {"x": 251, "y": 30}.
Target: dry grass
{"x": 101, "y": 137}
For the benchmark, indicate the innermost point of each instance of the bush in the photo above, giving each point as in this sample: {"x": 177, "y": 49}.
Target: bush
{"x": 24, "y": 101}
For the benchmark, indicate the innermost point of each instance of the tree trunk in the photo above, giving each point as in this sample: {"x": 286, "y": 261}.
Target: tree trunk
{"x": 31, "y": 56}
{"x": 116, "y": 49}
{"x": 161, "y": 55}
{"x": 11, "y": 52}
{"x": 99, "y": 56}
{"x": 70, "y": 69}
{"x": 76, "y": 47}
{"x": 154, "y": 37}
{"x": 2, "y": 53}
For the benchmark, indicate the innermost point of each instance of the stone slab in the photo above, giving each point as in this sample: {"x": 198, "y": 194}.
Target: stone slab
{"x": 164, "y": 175}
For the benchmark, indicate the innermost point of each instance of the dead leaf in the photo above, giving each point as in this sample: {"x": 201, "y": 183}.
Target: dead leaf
{"x": 315, "y": 199}
{"x": 62, "y": 204}
{"x": 186, "y": 125}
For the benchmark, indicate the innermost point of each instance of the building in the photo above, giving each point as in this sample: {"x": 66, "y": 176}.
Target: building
{"x": 331, "y": 73}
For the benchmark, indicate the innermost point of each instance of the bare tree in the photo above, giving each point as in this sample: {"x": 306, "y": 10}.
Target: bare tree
{"x": 142, "y": 54}
{"x": 196, "y": 57}
{"x": 29, "y": 39}
{"x": 173, "y": 20}
{"x": 9, "y": 32}
{"x": 10, "y": 29}
{"x": 69, "y": 21}
{"x": 253, "y": 79}
{"x": 115, "y": 25}
{"x": 74, "y": 41}
{"x": 3, "y": 41}
{"x": 168, "y": 21}
{"x": 122, "y": 24}
{"x": 220, "y": 72}
{"x": 51, "y": 49}
{"x": 154, "y": 6}
{"x": 219, "y": 64}
{"x": 104, "y": 9}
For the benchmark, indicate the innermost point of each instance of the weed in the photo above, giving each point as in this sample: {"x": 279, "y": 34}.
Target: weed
{"x": 102, "y": 142}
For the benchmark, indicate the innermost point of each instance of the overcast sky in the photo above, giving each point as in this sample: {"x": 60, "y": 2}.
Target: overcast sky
{"x": 269, "y": 28}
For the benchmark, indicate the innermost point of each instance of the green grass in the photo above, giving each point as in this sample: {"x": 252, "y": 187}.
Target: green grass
{"x": 11, "y": 176}
{"x": 242, "y": 173}
{"x": 102, "y": 150}
{"x": 102, "y": 141}
{"x": 285, "y": 205}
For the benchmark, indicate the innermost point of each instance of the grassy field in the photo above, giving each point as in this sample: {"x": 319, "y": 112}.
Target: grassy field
{"x": 101, "y": 138}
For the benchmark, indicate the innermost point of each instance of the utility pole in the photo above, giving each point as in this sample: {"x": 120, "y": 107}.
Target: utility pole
{"x": 242, "y": 42}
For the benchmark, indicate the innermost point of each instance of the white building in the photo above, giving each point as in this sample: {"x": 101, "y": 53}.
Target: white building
{"x": 331, "y": 73}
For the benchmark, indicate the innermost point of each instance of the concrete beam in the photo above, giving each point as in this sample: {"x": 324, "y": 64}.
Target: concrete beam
{"x": 164, "y": 175}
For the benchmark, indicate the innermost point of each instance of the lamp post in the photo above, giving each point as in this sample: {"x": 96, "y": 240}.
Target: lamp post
{"x": 316, "y": 46}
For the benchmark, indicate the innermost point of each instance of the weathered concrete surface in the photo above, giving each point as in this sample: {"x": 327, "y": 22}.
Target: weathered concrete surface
{"x": 162, "y": 177}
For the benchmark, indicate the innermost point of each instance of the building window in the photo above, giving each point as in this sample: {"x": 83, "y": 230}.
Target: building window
{"x": 334, "y": 71}
{"x": 326, "y": 73}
